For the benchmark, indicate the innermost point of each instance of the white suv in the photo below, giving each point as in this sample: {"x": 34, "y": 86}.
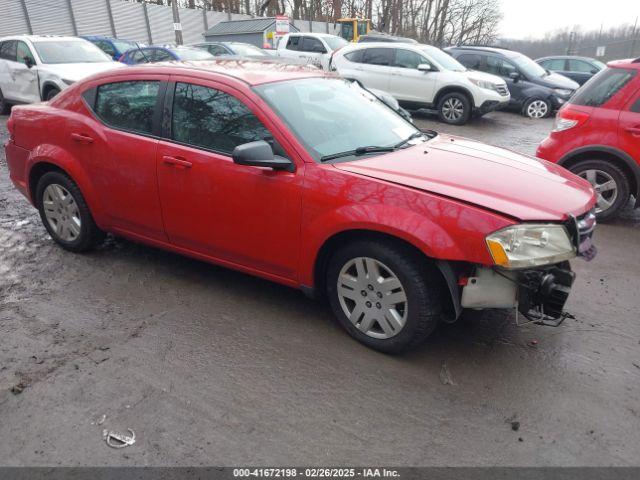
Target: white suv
{"x": 35, "y": 68}
{"x": 313, "y": 48}
{"x": 422, "y": 76}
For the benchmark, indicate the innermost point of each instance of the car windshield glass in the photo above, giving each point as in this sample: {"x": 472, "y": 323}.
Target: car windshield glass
{"x": 443, "y": 59}
{"x": 330, "y": 116}
{"x": 240, "y": 49}
{"x": 335, "y": 42}
{"x": 528, "y": 66}
{"x": 192, "y": 54}
{"x": 123, "y": 45}
{"x": 70, "y": 51}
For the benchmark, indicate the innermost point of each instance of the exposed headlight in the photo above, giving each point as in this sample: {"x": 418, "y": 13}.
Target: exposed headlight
{"x": 484, "y": 84}
{"x": 530, "y": 245}
{"x": 68, "y": 82}
{"x": 562, "y": 92}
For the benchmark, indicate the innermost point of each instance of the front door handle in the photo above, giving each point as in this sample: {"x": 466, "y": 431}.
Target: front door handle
{"x": 176, "y": 162}
{"x": 633, "y": 130}
{"x": 78, "y": 137}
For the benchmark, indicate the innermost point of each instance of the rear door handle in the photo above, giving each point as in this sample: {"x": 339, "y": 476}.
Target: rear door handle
{"x": 78, "y": 137}
{"x": 176, "y": 162}
{"x": 633, "y": 130}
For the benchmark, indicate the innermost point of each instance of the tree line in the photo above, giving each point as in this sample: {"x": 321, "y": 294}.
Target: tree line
{"x": 435, "y": 22}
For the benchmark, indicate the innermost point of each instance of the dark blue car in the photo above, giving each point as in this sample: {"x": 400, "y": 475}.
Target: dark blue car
{"x": 164, "y": 54}
{"x": 114, "y": 47}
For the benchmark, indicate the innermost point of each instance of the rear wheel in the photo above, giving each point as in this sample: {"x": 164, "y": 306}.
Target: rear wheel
{"x": 454, "y": 108}
{"x": 65, "y": 213}
{"x": 536, "y": 108}
{"x": 610, "y": 183}
{"x": 384, "y": 295}
{"x": 52, "y": 92}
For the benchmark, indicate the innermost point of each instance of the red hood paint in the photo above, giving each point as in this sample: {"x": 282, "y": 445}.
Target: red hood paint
{"x": 517, "y": 185}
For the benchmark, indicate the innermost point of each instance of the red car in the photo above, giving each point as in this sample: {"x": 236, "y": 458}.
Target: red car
{"x": 305, "y": 179}
{"x": 597, "y": 136}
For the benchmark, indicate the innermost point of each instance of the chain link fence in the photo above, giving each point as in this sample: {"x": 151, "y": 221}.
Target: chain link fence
{"x": 146, "y": 23}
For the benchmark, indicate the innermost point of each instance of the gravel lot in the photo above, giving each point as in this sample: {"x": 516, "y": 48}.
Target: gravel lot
{"x": 210, "y": 366}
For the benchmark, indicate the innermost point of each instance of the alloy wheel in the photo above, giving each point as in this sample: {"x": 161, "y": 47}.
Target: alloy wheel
{"x": 61, "y": 212}
{"x": 537, "y": 109}
{"x": 372, "y": 297}
{"x": 453, "y": 109}
{"x": 605, "y": 187}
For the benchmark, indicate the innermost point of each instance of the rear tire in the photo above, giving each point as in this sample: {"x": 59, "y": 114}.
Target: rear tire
{"x": 454, "y": 108}
{"x": 366, "y": 282}
{"x": 65, "y": 214}
{"x": 52, "y": 92}
{"x": 611, "y": 185}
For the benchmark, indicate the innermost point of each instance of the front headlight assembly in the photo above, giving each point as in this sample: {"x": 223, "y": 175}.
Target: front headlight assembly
{"x": 530, "y": 245}
{"x": 562, "y": 92}
{"x": 484, "y": 84}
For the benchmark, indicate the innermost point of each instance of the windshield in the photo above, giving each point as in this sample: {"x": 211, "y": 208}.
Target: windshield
{"x": 192, "y": 54}
{"x": 443, "y": 59}
{"x": 123, "y": 45}
{"x": 527, "y": 66}
{"x": 70, "y": 51}
{"x": 240, "y": 49}
{"x": 335, "y": 42}
{"x": 331, "y": 115}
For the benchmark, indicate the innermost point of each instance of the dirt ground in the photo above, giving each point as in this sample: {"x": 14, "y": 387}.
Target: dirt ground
{"x": 210, "y": 366}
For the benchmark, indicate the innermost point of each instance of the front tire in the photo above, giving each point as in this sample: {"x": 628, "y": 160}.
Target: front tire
{"x": 65, "y": 214}
{"x": 610, "y": 183}
{"x": 384, "y": 295}
{"x": 536, "y": 108}
{"x": 52, "y": 92}
{"x": 454, "y": 108}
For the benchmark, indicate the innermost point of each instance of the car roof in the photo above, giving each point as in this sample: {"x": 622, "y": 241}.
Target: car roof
{"x": 40, "y": 38}
{"x": 251, "y": 72}
{"x": 626, "y": 63}
{"x": 566, "y": 57}
{"x": 504, "y": 51}
{"x": 312, "y": 34}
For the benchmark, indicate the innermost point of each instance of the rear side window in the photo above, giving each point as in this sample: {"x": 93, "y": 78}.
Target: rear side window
{"x": 554, "y": 64}
{"x": 8, "y": 50}
{"x": 379, "y": 56}
{"x": 602, "y": 87}
{"x": 211, "y": 119}
{"x": 293, "y": 43}
{"x": 470, "y": 60}
{"x": 128, "y": 105}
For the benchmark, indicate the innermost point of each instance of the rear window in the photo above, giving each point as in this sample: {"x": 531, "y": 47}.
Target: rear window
{"x": 597, "y": 91}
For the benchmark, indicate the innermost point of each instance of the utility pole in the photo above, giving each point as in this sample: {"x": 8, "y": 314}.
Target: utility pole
{"x": 177, "y": 26}
{"x": 633, "y": 40}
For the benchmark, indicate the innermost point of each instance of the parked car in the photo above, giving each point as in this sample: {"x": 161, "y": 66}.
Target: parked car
{"x": 155, "y": 54}
{"x": 114, "y": 47}
{"x": 308, "y": 180}
{"x": 314, "y": 48}
{"x": 232, "y": 48}
{"x": 383, "y": 37}
{"x": 35, "y": 68}
{"x": 597, "y": 136}
{"x": 534, "y": 91}
{"x": 578, "y": 69}
{"x": 422, "y": 76}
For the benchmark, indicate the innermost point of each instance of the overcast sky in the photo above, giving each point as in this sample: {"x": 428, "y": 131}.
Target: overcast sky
{"x": 533, "y": 18}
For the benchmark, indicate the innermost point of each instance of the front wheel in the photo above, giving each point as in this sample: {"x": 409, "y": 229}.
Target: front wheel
{"x": 610, "y": 183}
{"x": 536, "y": 108}
{"x": 454, "y": 108}
{"x": 52, "y": 92}
{"x": 65, "y": 213}
{"x": 384, "y": 295}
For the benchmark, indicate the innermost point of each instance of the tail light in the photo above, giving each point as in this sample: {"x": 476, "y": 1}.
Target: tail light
{"x": 11, "y": 128}
{"x": 568, "y": 118}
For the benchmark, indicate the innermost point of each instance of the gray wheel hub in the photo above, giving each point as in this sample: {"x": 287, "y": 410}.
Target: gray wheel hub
{"x": 605, "y": 187}
{"x": 372, "y": 297}
{"x": 452, "y": 109}
{"x": 537, "y": 109}
{"x": 61, "y": 212}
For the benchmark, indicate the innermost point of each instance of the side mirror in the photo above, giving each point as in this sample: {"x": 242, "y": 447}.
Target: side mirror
{"x": 28, "y": 61}
{"x": 424, "y": 67}
{"x": 260, "y": 154}
{"x": 515, "y": 76}
{"x": 594, "y": 71}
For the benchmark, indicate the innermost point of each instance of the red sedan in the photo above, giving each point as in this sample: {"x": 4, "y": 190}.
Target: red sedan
{"x": 306, "y": 179}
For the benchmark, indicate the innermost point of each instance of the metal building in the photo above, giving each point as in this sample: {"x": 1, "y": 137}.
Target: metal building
{"x": 256, "y": 31}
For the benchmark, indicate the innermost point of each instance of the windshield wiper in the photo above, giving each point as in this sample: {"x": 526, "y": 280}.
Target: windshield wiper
{"x": 371, "y": 148}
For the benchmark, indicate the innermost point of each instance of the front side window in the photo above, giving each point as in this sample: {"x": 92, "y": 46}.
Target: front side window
{"x": 470, "y": 61}
{"x": 208, "y": 118}
{"x": 128, "y": 105}
{"x": 70, "y": 51}
{"x": 604, "y": 85}
{"x": 310, "y": 44}
{"x": 499, "y": 66}
{"x": 106, "y": 47}
{"x": 23, "y": 52}
{"x": 330, "y": 115}
{"x": 408, "y": 59}
{"x": 580, "y": 66}
{"x": 158, "y": 55}
{"x": 556, "y": 64}
{"x": 379, "y": 56}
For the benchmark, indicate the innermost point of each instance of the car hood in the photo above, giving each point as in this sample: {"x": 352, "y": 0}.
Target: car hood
{"x": 487, "y": 77}
{"x": 497, "y": 179}
{"x": 555, "y": 80}
{"x": 78, "y": 71}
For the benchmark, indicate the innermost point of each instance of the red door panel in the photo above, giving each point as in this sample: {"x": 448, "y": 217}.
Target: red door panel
{"x": 629, "y": 127}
